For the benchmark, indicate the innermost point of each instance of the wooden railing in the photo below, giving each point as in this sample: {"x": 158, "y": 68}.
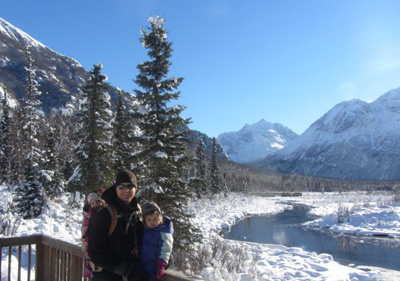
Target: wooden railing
{"x": 50, "y": 259}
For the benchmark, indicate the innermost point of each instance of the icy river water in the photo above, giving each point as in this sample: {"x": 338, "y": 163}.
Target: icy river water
{"x": 285, "y": 229}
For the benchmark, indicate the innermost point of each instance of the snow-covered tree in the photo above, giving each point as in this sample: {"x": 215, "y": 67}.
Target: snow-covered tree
{"x": 17, "y": 157}
{"x": 201, "y": 169}
{"x": 64, "y": 130}
{"x": 5, "y": 139}
{"x": 201, "y": 160}
{"x": 53, "y": 178}
{"x": 215, "y": 181}
{"x": 29, "y": 196}
{"x": 94, "y": 149}
{"x": 124, "y": 145}
{"x": 161, "y": 161}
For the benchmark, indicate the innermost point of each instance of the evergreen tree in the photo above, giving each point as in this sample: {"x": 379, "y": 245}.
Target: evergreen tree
{"x": 215, "y": 183}
{"x": 17, "y": 157}
{"x": 201, "y": 160}
{"x": 225, "y": 187}
{"x": 93, "y": 152}
{"x": 163, "y": 138}
{"x": 246, "y": 182}
{"x": 53, "y": 182}
{"x": 29, "y": 196}
{"x": 123, "y": 137}
{"x": 64, "y": 130}
{"x": 5, "y": 140}
{"x": 201, "y": 169}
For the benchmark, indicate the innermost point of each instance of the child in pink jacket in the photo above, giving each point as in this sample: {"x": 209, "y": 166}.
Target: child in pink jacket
{"x": 94, "y": 203}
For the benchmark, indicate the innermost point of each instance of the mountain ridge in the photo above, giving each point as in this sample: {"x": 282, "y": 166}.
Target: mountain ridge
{"x": 255, "y": 141}
{"x": 60, "y": 77}
{"x": 354, "y": 140}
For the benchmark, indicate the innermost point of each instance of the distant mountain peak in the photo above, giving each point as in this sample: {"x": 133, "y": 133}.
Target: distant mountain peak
{"x": 255, "y": 141}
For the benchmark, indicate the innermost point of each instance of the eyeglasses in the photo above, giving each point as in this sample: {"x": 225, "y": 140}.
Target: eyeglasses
{"x": 128, "y": 186}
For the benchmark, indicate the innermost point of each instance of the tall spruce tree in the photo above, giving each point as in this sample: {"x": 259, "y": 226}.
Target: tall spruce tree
{"x": 53, "y": 179}
{"x": 93, "y": 152}
{"x": 123, "y": 137}
{"x": 163, "y": 138}
{"x": 5, "y": 139}
{"x": 64, "y": 128}
{"x": 18, "y": 153}
{"x": 29, "y": 195}
{"x": 215, "y": 179}
{"x": 201, "y": 169}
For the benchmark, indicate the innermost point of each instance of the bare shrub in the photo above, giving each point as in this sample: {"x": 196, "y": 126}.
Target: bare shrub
{"x": 74, "y": 204}
{"x": 217, "y": 253}
{"x": 396, "y": 193}
{"x": 343, "y": 213}
{"x": 9, "y": 220}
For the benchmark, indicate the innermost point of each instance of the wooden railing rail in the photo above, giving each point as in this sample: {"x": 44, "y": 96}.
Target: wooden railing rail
{"x": 54, "y": 260}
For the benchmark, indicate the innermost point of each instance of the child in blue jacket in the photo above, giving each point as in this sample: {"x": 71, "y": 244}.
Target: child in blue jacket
{"x": 157, "y": 241}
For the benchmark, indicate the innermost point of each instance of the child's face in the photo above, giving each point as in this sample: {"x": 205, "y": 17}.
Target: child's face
{"x": 152, "y": 220}
{"x": 96, "y": 203}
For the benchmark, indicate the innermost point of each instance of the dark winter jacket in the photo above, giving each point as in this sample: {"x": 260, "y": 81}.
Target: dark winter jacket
{"x": 156, "y": 244}
{"x": 123, "y": 246}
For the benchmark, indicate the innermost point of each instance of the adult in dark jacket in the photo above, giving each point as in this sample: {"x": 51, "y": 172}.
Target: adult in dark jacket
{"x": 117, "y": 254}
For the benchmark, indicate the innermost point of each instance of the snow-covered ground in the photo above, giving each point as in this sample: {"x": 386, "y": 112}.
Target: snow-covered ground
{"x": 368, "y": 214}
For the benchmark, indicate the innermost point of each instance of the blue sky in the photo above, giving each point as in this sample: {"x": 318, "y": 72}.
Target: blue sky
{"x": 284, "y": 61}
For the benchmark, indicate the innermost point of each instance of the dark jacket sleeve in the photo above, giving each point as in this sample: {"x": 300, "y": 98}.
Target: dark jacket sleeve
{"x": 98, "y": 244}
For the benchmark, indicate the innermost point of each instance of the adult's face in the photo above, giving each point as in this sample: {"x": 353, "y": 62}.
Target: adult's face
{"x": 126, "y": 191}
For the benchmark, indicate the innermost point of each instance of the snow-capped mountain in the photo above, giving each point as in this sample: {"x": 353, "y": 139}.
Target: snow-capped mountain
{"x": 256, "y": 141}
{"x": 354, "y": 140}
{"x": 60, "y": 77}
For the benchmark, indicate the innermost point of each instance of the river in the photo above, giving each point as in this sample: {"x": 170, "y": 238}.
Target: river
{"x": 285, "y": 229}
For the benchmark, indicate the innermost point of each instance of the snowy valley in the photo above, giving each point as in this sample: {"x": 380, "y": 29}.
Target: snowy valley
{"x": 257, "y": 261}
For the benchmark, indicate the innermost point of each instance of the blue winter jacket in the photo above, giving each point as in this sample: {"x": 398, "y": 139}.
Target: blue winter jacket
{"x": 156, "y": 244}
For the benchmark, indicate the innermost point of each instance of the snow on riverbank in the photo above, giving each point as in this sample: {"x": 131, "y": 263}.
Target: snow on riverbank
{"x": 276, "y": 262}
{"x": 362, "y": 214}
{"x": 371, "y": 213}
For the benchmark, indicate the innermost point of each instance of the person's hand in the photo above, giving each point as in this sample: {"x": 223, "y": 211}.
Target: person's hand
{"x": 161, "y": 266}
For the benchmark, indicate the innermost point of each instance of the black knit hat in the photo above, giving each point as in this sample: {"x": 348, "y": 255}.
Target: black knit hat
{"x": 149, "y": 207}
{"x": 125, "y": 176}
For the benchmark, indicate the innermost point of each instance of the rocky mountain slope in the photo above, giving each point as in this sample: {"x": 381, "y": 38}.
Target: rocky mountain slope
{"x": 60, "y": 77}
